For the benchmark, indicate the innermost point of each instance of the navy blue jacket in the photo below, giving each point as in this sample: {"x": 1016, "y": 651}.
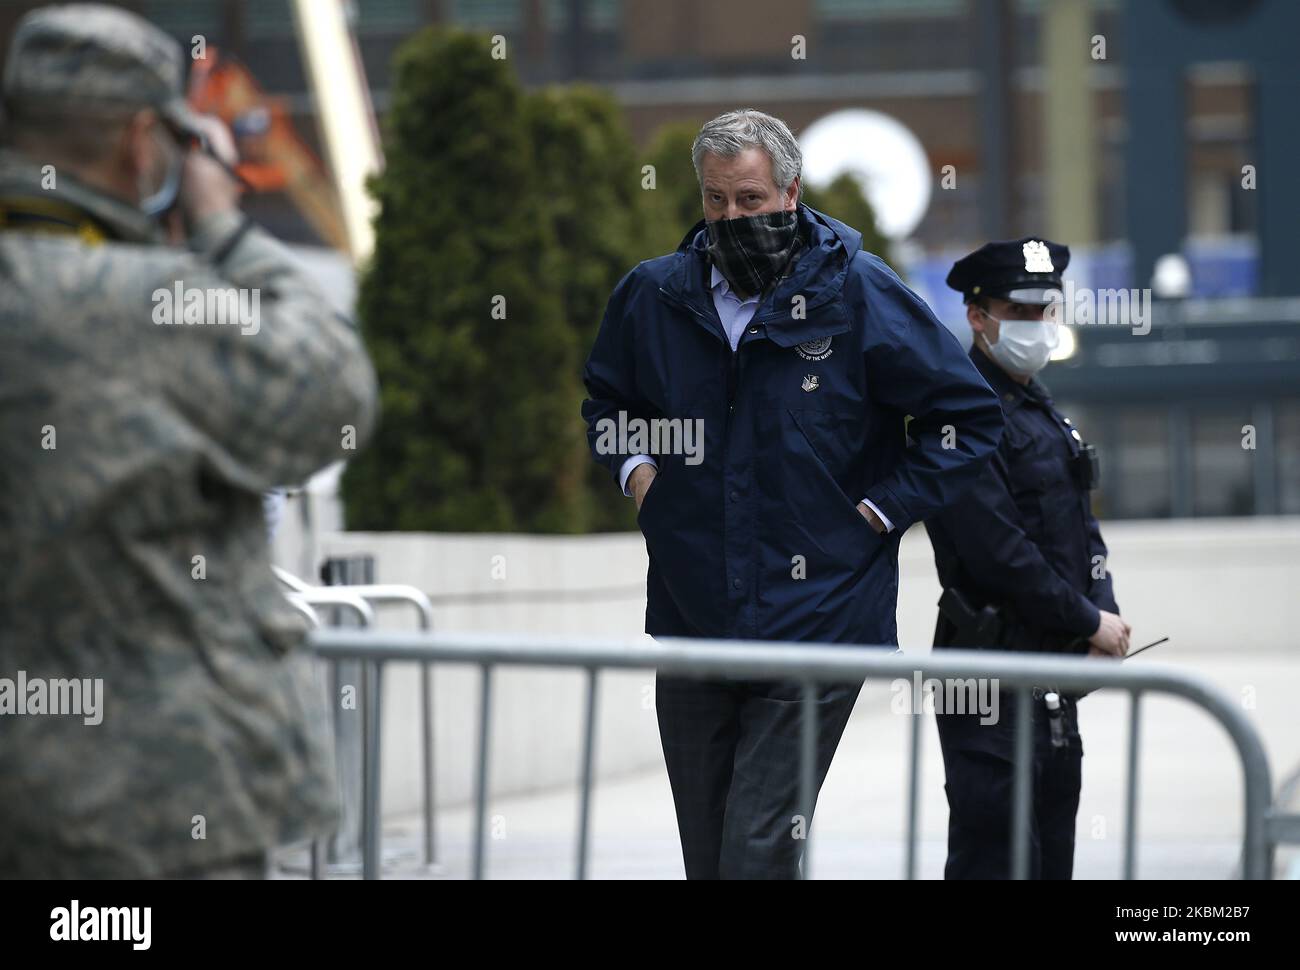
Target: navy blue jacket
{"x": 762, "y": 539}
{"x": 1024, "y": 538}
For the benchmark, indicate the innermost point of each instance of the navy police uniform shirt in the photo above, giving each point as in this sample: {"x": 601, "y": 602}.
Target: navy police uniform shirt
{"x": 1024, "y": 536}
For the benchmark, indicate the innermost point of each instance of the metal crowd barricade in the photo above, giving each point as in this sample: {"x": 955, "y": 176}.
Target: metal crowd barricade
{"x": 362, "y": 599}
{"x": 301, "y": 595}
{"x": 812, "y": 665}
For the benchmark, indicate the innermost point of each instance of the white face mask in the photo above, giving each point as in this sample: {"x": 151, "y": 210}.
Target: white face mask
{"x": 1024, "y": 346}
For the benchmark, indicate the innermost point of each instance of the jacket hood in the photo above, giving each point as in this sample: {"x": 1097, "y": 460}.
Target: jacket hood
{"x": 819, "y": 274}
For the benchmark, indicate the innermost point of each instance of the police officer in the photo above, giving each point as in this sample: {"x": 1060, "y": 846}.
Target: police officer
{"x": 1023, "y": 567}
{"x": 137, "y": 433}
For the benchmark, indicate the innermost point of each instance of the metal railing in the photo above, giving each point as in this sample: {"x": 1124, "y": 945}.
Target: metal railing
{"x": 811, "y": 665}
{"x": 361, "y": 600}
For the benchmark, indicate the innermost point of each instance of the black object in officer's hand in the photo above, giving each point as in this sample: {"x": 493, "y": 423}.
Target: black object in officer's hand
{"x": 1154, "y": 643}
{"x": 1079, "y": 695}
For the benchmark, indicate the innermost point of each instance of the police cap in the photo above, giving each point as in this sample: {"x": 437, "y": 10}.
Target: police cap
{"x": 1024, "y": 270}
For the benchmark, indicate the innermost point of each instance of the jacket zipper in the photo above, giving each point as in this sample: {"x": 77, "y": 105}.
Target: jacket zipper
{"x": 733, "y": 362}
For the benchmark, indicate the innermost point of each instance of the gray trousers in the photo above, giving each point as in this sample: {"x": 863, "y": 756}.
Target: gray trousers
{"x": 732, "y": 751}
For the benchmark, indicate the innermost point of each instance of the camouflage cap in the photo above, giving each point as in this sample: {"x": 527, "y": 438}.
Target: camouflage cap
{"x": 90, "y": 57}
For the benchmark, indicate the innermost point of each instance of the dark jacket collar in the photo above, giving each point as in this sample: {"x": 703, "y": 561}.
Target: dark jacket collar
{"x": 818, "y": 275}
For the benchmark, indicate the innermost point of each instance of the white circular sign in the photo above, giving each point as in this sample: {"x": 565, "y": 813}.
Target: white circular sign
{"x": 882, "y": 154}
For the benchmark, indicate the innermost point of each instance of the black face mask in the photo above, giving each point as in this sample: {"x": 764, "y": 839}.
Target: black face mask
{"x": 752, "y": 251}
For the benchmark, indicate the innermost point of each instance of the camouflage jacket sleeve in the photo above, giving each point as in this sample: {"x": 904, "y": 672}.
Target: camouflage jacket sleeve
{"x": 282, "y": 387}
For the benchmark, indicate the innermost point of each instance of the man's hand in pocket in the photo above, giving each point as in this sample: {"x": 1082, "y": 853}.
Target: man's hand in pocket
{"x": 872, "y": 519}
{"x": 638, "y": 482}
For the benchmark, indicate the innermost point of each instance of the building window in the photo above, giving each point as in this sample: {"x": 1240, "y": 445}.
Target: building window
{"x": 267, "y": 19}
{"x": 601, "y": 15}
{"x": 388, "y": 16}
{"x": 273, "y": 19}
{"x": 488, "y": 14}
{"x": 185, "y": 18}
{"x": 1287, "y": 423}
{"x": 1140, "y": 487}
{"x": 877, "y": 9}
{"x": 1222, "y": 469}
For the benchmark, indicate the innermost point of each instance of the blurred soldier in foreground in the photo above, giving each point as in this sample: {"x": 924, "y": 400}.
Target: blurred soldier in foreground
{"x": 1023, "y": 567}
{"x": 158, "y": 716}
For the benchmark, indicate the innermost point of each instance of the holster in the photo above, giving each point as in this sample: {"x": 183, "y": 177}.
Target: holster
{"x": 992, "y": 628}
{"x": 985, "y": 627}
{"x": 996, "y": 628}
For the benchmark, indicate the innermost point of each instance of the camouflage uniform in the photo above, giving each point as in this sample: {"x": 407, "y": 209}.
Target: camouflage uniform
{"x": 164, "y": 436}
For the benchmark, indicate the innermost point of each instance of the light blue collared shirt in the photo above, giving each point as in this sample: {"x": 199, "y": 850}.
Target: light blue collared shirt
{"x": 734, "y": 312}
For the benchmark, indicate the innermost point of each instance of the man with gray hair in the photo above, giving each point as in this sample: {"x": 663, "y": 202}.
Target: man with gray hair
{"x": 836, "y": 411}
{"x": 136, "y": 437}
